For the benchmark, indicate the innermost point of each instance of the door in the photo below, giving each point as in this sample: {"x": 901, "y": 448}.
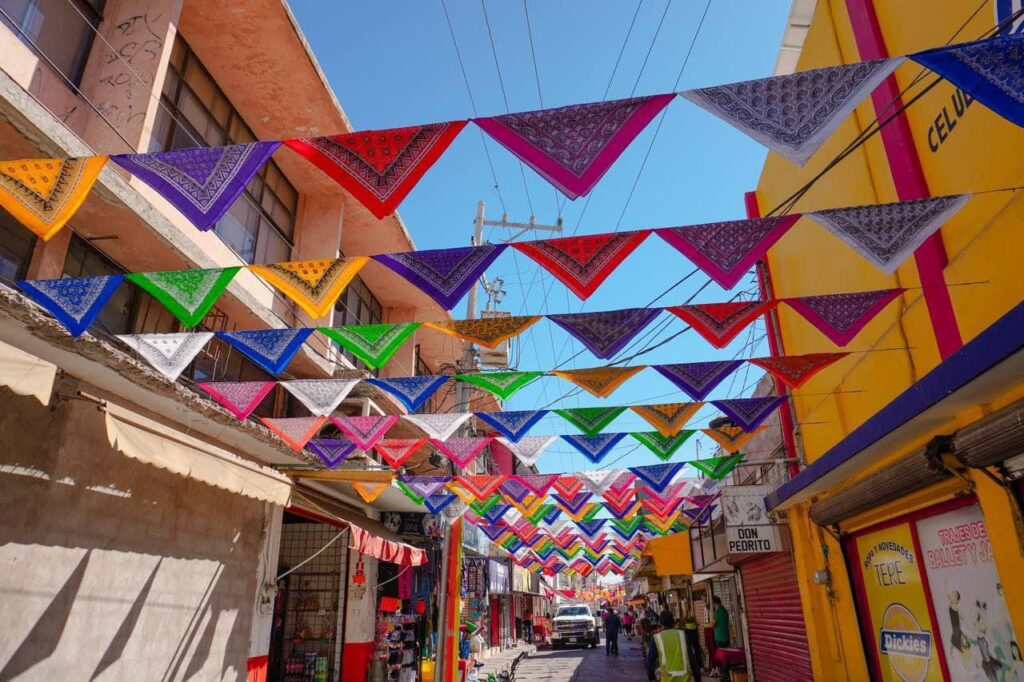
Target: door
{"x": 775, "y": 620}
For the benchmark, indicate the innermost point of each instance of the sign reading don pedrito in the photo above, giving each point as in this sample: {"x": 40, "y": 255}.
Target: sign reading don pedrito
{"x": 749, "y": 528}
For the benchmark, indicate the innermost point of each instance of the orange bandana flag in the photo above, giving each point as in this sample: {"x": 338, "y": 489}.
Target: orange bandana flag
{"x": 314, "y": 285}
{"x": 43, "y": 194}
{"x": 488, "y": 331}
{"x": 598, "y": 381}
{"x": 370, "y": 491}
{"x": 668, "y": 418}
{"x": 731, "y": 438}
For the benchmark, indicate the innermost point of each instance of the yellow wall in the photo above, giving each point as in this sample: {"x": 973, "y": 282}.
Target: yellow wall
{"x": 984, "y": 243}
{"x": 671, "y": 554}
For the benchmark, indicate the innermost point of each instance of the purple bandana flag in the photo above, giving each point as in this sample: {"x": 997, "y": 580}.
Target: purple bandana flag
{"x": 435, "y": 504}
{"x": 410, "y": 391}
{"x": 606, "y": 333}
{"x": 725, "y": 251}
{"x": 494, "y": 532}
{"x": 271, "y": 349}
{"x": 365, "y": 431}
{"x": 73, "y": 301}
{"x": 749, "y": 412}
{"x": 840, "y": 317}
{"x": 594, "y": 448}
{"x": 331, "y": 451}
{"x": 988, "y": 70}
{"x": 515, "y": 490}
{"x": 573, "y": 504}
{"x": 425, "y": 486}
{"x": 658, "y": 476}
{"x": 886, "y": 234}
{"x": 591, "y": 528}
{"x": 538, "y": 484}
{"x": 551, "y": 515}
{"x": 201, "y": 182}
{"x": 496, "y": 513}
{"x": 698, "y": 379}
{"x": 513, "y": 424}
{"x": 443, "y": 274}
{"x": 573, "y": 146}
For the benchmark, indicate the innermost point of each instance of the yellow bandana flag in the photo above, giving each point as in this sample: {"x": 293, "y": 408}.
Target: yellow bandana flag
{"x": 43, "y": 194}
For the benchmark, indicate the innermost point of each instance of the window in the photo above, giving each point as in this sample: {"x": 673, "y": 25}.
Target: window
{"x": 357, "y": 305}
{"x": 62, "y": 30}
{"x": 260, "y": 225}
{"x": 16, "y": 245}
{"x": 84, "y": 260}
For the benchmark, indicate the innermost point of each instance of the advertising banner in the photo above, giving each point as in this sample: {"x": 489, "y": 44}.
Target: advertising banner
{"x": 498, "y": 572}
{"x": 903, "y": 633}
{"x": 975, "y": 627}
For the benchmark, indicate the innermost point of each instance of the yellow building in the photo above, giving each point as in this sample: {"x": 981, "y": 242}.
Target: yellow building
{"x": 905, "y": 514}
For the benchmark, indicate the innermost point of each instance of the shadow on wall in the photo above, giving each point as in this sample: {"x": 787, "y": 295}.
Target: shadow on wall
{"x": 114, "y": 568}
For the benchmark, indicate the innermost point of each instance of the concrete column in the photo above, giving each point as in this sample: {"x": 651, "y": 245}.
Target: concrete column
{"x": 318, "y": 226}
{"x": 266, "y": 572}
{"x": 48, "y": 257}
{"x": 360, "y": 620}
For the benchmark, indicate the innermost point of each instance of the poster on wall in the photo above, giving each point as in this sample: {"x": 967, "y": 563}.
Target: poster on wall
{"x": 904, "y": 635}
{"x": 967, "y": 593}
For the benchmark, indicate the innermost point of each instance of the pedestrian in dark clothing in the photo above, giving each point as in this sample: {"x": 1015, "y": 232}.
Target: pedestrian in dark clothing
{"x": 612, "y": 625}
{"x": 666, "y": 619}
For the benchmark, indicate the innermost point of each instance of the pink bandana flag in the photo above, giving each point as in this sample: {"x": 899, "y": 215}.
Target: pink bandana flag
{"x": 572, "y": 147}
{"x": 841, "y": 317}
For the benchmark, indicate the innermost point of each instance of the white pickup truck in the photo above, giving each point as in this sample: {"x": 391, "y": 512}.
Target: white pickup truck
{"x": 575, "y": 625}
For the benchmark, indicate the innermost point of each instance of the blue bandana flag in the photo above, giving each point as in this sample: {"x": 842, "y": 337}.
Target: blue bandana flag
{"x": 410, "y": 391}
{"x": 594, "y": 448}
{"x": 271, "y": 349}
{"x": 73, "y": 301}
{"x": 514, "y": 424}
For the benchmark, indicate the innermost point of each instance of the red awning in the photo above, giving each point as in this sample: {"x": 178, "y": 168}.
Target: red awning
{"x": 568, "y": 594}
{"x": 386, "y": 550}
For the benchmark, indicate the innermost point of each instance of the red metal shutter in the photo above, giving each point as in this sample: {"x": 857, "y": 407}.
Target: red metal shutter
{"x": 775, "y": 620}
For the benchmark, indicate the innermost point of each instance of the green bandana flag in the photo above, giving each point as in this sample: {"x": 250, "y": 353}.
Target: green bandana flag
{"x": 590, "y": 420}
{"x": 502, "y": 384}
{"x": 374, "y": 344}
{"x": 718, "y": 467}
{"x": 538, "y": 515}
{"x": 591, "y": 512}
{"x": 187, "y": 294}
{"x": 663, "y": 446}
{"x": 482, "y": 507}
{"x": 409, "y": 492}
{"x": 568, "y": 555}
{"x": 627, "y": 527}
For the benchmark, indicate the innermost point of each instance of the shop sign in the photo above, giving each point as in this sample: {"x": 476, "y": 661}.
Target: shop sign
{"x": 498, "y": 574}
{"x": 753, "y": 539}
{"x": 413, "y": 524}
{"x": 474, "y": 576}
{"x": 749, "y": 526}
{"x": 967, "y": 594}
{"x": 890, "y": 570}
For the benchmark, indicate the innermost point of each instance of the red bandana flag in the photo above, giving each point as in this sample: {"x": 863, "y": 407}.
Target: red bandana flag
{"x": 797, "y": 370}
{"x": 583, "y": 263}
{"x": 720, "y": 323}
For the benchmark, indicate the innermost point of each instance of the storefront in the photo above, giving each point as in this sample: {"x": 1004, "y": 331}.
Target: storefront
{"x": 501, "y": 616}
{"x": 475, "y": 606}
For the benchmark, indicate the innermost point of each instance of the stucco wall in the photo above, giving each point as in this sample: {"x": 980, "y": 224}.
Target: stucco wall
{"x": 114, "y": 569}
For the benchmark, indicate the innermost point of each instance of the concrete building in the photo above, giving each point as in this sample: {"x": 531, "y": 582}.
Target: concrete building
{"x": 153, "y": 565}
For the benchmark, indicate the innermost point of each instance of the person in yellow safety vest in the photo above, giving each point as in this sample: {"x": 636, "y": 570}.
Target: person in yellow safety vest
{"x": 667, "y": 659}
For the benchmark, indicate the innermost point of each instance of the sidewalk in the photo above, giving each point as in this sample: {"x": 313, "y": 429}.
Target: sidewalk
{"x": 502, "y": 660}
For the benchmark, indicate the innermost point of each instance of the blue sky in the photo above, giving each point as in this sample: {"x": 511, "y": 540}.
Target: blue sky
{"x": 393, "y": 63}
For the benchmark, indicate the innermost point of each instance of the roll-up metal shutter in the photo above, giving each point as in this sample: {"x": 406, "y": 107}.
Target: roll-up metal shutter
{"x": 775, "y": 620}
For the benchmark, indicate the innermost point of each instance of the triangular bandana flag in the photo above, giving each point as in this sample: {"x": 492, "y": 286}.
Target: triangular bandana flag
{"x": 320, "y": 396}
{"x": 662, "y": 446}
{"x": 374, "y": 344}
{"x": 886, "y": 234}
{"x": 496, "y": 512}
{"x": 600, "y": 480}
{"x": 698, "y": 379}
{"x": 748, "y": 412}
{"x": 201, "y": 182}
{"x": 494, "y": 532}
{"x": 515, "y": 491}
{"x": 619, "y": 498}
{"x": 606, "y": 333}
{"x": 73, "y": 301}
{"x": 668, "y": 418}
{"x": 444, "y": 275}
{"x": 502, "y": 384}
{"x": 542, "y": 511}
{"x": 718, "y": 467}
{"x": 409, "y": 492}
{"x": 987, "y": 70}
{"x": 187, "y": 294}
{"x": 590, "y": 529}
{"x": 296, "y": 431}
{"x": 480, "y": 487}
{"x": 840, "y": 317}
{"x": 573, "y": 504}
{"x": 314, "y": 285}
{"x": 627, "y": 528}
{"x": 797, "y": 370}
{"x": 658, "y": 476}
{"x": 669, "y": 493}
{"x": 590, "y": 420}
{"x": 43, "y": 194}
{"x": 487, "y": 331}
{"x": 731, "y": 438}
{"x": 435, "y": 504}
{"x": 623, "y": 483}
{"x": 794, "y": 114}
{"x": 271, "y": 349}
{"x": 595, "y": 449}
{"x": 425, "y": 486}
{"x": 726, "y": 251}
{"x": 410, "y": 391}
{"x": 462, "y": 451}
{"x": 396, "y": 451}
{"x": 529, "y": 448}
{"x": 598, "y": 381}
{"x": 528, "y": 506}
{"x": 331, "y": 451}
{"x": 583, "y": 263}
{"x": 370, "y": 491}
{"x": 627, "y": 509}
{"x": 572, "y": 147}
{"x": 238, "y": 397}
{"x": 514, "y": 424}
{"x": 441, "y": 426}
{"x": 484, "y": 504}
{"x": 659, "y": 525}
{"x": 567, "y": 486}
{"x": 169, "y": 354}
{"x": 662, "y": 509}
{"x": 379, "y": 167}
{"x": 365, "y": 431}
{"x": 538, "y": 484}
{"x": 720, "y": 323}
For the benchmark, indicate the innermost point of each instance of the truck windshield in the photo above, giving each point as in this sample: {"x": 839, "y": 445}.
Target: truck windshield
{"x": 572, "y": 611}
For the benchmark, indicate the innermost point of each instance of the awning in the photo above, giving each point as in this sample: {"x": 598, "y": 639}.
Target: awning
{"x": 671, "y": 554}
{"x": 25, "y": 374}
{"x": 162, "y": 446}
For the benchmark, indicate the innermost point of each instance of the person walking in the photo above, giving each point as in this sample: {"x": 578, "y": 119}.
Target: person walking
{"x": 612, "y": 625}
{"x": 695, "y": 654}
{"x": 666, "y": 619}
{"x": 627, "y": 623}
{"x": 528, "y": 626}
{"x": 667, "y": 659}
